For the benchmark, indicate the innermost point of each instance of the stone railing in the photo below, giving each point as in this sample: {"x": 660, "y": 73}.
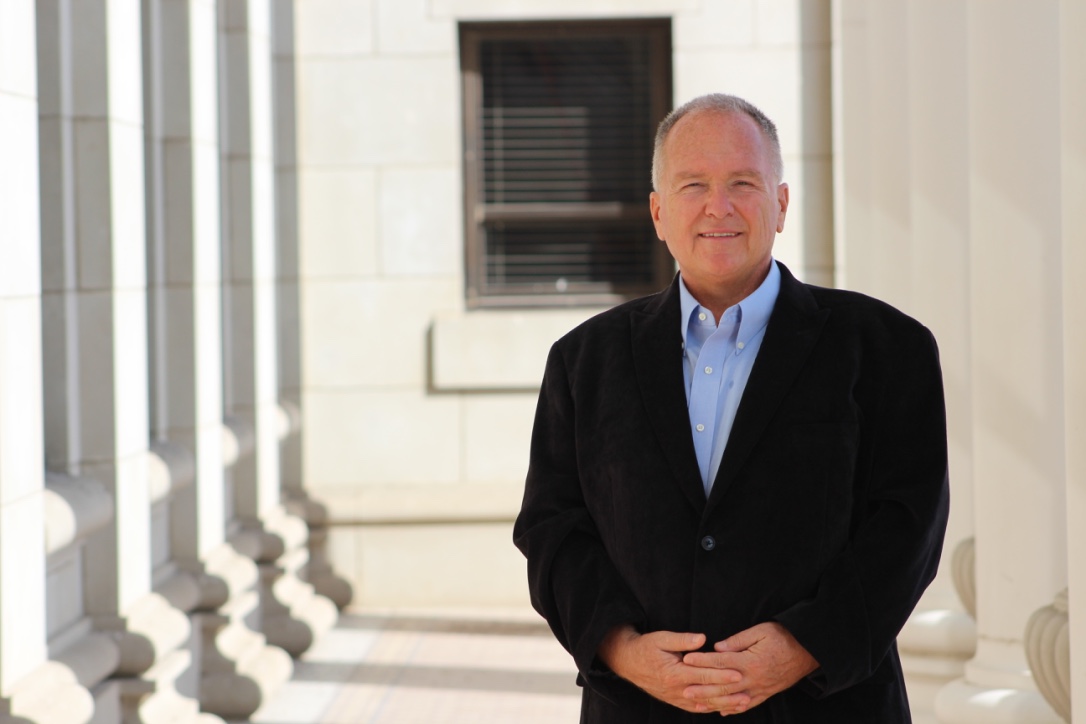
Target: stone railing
{"x": 1048, "y": 649}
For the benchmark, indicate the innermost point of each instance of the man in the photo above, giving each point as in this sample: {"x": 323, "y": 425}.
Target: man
{"x": 737, "y": 487}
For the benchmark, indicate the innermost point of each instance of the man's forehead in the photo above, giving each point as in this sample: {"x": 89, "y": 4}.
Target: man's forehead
{"x": 705, "y": 119}
{"x": 698, "y": 170}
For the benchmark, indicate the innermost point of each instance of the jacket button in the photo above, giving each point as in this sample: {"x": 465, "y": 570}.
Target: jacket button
{"x": 708, "y": 542}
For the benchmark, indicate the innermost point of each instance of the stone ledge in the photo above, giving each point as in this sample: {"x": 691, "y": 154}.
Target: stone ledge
{"x": 238, "y": 440}
{"x": 940, "y": 632}
{"x": 75, "y": 507}
{"x": 421, "y": 504}
{"x": 171, "y": 467}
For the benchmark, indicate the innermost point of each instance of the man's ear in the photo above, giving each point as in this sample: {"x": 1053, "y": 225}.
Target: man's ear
{"x": 657, "y": 210}
{"x": 782, "y": 203}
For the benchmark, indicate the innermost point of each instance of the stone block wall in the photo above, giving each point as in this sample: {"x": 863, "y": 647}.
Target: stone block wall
{"x": 418, "y": 410}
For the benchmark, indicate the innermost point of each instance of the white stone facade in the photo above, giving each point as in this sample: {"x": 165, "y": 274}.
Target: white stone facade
{"x": 239, "y": 379}
{"x": 418, "y": 411}
{"x": 150, "y": 569}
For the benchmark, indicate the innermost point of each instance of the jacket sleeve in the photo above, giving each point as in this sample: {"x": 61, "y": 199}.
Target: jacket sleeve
{"x": 573, "y": 582}
{"x": 901, "y": 504}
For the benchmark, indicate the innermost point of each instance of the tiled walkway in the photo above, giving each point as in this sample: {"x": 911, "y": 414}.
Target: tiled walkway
{"x": 430, "y": 668}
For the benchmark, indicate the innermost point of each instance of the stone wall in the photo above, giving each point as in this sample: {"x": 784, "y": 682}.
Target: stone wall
{"x": 417, "y": 410}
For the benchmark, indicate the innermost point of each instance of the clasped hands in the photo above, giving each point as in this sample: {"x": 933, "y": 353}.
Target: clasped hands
{"x": 740, "y": 673}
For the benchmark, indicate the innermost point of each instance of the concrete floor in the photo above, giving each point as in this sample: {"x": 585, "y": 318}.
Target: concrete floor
{"x": 430, "y": 667}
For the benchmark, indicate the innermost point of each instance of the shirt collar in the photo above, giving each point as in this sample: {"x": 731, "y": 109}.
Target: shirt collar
{"x": 755, "y": 309}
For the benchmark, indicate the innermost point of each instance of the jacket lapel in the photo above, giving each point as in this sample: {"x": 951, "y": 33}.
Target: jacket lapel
{"x": 657, "y": 353}
{"x": 793, "y": 329}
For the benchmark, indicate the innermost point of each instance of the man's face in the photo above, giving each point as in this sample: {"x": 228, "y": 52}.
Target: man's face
{"x": 719, "y": 205}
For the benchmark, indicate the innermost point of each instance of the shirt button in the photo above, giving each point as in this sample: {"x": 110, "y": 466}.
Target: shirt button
{"x": 701, "y": 316}
{"x": 700, "y": 428}
{"x": 708, "y": 370}
{"x": 708, "y": 543}
{"x": 740, "y": 345}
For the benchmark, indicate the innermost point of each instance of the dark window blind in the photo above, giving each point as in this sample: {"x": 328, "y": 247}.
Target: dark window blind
{"x": 559, "y": 154}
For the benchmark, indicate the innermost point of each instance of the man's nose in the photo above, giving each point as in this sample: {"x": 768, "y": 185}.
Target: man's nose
{"x": 718, "y": 204}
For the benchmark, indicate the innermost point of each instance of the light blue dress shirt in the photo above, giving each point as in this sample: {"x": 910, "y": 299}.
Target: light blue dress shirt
{"x": 718, "y": 359}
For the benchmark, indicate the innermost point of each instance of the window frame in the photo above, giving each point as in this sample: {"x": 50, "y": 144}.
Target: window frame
{"x": 476, "y": 212}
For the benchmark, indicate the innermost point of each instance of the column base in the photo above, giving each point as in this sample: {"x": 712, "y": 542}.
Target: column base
{"x": 156, "y": 660}
{"x": 238, "y": 669}
{"x": 318, "y": 571}
{"x": 961, "y": 702}
{"x": 292, "y": 615}
{"x": 934, "y": 647}
{"x": 52, "y": 694}
{"x": 154, "y": 699}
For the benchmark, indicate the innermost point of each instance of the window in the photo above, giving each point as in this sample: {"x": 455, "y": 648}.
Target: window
{"x": 559, "y": 119}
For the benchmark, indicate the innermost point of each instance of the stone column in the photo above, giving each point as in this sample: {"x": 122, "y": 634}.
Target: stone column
{"x": 851, "y": 141}
{"x": 95, "y": 331}
{"x": 291, "y": 615}
{"x": 1073, "y": 188}
{"x": 888, "y": 250}
{"x": 251, "y": 388}
{"x": 30, "y": 686}
{"x": 940, "y": 636}
{"x": 901, "y": 146}
{"x": 1016, "y": 350}
{"x": 187, "y": 406}
{"x": 318, "y": 571}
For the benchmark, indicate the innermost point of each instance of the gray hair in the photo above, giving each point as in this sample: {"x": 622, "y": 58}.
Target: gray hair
{"x": 721, "y": 103}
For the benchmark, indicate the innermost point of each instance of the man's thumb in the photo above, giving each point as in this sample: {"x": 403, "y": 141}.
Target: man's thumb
{"x": 673, "y": 641}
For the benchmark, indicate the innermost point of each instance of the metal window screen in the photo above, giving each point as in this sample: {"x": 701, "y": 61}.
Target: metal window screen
{"x": 564, "y": 150}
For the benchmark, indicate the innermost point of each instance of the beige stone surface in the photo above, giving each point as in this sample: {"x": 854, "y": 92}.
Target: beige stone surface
{"x": 420, "y": 222}
{"x": 498, "y": 431}
{"x": 338, "y": 218}
{"x": 382, "y": 436}
{"x": 497, "y": 350}
{"x": 370, "y": 334}
{"x": 21, "y": 397}
{"x": 448, "y": 666}
{"x": 20, "y": 274}
{"x": 715, "y": 24}
{"x": 355, "y": 111}
{"x": 428, "y": 565}
{"x": 409, "y": 26}
{"x": 1073, "y": 181}
{"x": 335, "y": 28}
{"x": 17, "y": 72}
{"x": 22, "y": 606}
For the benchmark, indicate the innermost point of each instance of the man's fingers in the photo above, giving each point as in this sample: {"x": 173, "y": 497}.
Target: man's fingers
{"x": 709, "y": 676}
{"x": 673, "y": 641}
{"x": 724, "y": 660}
{"x": 725, "y": 705}
{"x": 740, "y": 641}
{"x": 703, "y": 692}
{"x": 711, "y": 660}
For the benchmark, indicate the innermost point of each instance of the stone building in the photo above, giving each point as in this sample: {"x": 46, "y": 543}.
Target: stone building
{"x": 278, "y": 278}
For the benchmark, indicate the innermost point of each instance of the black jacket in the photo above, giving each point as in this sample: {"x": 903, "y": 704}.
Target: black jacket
{"x": 827, "y": 513}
